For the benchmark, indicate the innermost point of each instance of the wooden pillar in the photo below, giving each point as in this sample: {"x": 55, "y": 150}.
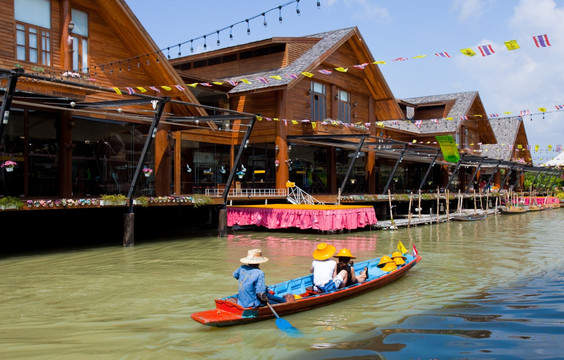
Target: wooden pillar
{"x": 281, "y": 140}
{"x": 162, "y": 161}
{"x": 65, "y": 154}
{"x": 66, "y": 48}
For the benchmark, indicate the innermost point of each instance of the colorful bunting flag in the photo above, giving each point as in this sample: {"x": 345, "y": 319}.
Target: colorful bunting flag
{"x": 541, "y": 40}
{"x": 443, "y": 54}
{"x": 511, "y": 45}
{"x": 486, "y": 50}
{"x": 468, "y": 52}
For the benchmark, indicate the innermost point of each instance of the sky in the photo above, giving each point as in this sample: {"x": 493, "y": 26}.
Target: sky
{"x": 528, "y": 78}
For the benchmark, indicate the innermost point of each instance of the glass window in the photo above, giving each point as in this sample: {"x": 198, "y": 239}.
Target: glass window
{"x": 318, "y": 101}
{"x": 344, "y": 99}
{"x": 34, "y": 12}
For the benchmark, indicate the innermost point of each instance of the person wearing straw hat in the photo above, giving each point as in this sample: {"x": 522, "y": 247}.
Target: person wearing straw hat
{"x": 323, "y": 269}
{"x": 345, "y": 264}
{"x": 252, "y": 288}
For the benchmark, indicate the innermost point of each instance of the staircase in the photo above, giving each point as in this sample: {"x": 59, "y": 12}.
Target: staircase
{"x": 297, "y": 196}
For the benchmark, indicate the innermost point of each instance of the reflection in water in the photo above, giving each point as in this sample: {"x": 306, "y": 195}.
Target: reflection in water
{"x": 133, "y": 303}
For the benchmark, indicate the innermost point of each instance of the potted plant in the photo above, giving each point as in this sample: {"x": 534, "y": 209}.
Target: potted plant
{"x": 117, "y": 199}
{"x": 9, "y": 165}
{"x": 147, "y": 171}
{"x": 10, "y": 202}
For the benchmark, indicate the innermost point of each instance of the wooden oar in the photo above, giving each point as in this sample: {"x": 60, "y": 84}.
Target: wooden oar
{"x": 284, "y": 325}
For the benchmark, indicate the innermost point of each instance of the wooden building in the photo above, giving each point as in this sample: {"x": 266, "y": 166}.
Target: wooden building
{"x": 72, "y": 141}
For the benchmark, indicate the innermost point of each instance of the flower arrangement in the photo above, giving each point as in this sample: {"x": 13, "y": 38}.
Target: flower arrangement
{"x": 147, "y": 171}
{"x": 9, "y": 164}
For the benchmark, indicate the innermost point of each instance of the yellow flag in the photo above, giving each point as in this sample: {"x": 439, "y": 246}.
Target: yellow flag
{"x": 468, "y": 52}
{"x": 142, "y": 89}
{"x": 401, "y": 247}
{"x": 117, "y": 90}
{"x": 308, "y": 74}
{"x": 511, "y": 45}
{"x": 542, "y": 109}
{"x": 341, "y": 69}
{"x": 379, "y": 62}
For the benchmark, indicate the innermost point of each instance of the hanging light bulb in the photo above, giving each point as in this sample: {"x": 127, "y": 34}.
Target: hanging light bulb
{"x": 280, "y": 14}
{"x": 248, "y": 27}
{"x": 231, "y": 32}
{"x": 264, "y": 20}
{"x": 218, "y": 38}
{"x": 298, "y": 7}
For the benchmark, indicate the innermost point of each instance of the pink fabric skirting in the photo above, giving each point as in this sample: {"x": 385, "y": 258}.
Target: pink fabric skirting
{"x": 325, "y": 220}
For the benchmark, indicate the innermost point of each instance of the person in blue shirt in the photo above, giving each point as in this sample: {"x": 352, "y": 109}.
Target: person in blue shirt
{"x": 252, "y": 288}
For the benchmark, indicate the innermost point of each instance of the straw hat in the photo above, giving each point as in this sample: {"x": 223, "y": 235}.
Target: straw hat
{"x": 323, "y": 251}
{"x": 344, "y": 253}
{"x": 384, "y": 260}
{"x": 254, "y": 256}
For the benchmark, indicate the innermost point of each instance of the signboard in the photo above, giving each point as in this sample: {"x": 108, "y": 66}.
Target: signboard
{"x": 448, "y": 148}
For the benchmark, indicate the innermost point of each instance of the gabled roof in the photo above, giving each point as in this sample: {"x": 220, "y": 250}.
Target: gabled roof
{"x": 462, "y": 104}
{"x": 328, "y": 41}
{"x": 506, "y": 131}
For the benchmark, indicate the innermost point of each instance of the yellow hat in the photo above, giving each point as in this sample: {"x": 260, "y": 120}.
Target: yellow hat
{"x": 384, "y": 260}
{"x": 323, "y": 251}
{"x": 344, "y": 253}
{"x": 389, "y": 267}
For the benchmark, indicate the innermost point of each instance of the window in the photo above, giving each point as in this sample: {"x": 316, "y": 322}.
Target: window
{"x": 33, "y": 38}
{"x": 344, "y": 105}
{"x": 318, "y": 102}
{"x": 79, "y": 41}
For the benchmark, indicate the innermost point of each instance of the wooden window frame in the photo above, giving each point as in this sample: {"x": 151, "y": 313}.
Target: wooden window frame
{"x": 43, "y": 49}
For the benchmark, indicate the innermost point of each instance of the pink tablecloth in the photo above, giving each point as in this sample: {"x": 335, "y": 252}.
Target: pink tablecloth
{"x": 325, "y": 220}
{"x": 541, "y": 200}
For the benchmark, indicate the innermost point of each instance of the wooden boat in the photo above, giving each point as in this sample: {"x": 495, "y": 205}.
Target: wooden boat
{"x": 227, "y": 312}
{"x": 468, "y": 216}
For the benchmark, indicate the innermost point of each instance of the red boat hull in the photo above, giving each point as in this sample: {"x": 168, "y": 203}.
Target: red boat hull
{"x": 228, "y": 313}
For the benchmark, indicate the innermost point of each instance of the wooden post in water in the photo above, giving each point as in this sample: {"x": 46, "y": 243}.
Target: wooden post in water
{"x": 447, "y": 204}
{"x": 438, "y": 203}
{"x": 409, "y": 210}
{"x": 419, "y": 206}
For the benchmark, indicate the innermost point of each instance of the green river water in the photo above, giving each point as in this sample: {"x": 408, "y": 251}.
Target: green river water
{"x": 135, "y": 303}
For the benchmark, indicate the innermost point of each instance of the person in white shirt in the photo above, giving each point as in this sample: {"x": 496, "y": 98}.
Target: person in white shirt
{"x": 323, "y": 269}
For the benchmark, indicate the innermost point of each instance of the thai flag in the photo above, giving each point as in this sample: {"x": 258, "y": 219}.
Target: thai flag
{"x": 326, "y": 72}
{"x": 443, "y": 54}
{"x": 494, "y": 115}
{"x": 541, "y": 40}
{"x": 524, "y": 112}
{"x": 486, "y": 50}
{"x": 400, "y": 59}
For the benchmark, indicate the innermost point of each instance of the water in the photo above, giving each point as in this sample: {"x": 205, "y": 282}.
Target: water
{"x": 484, "y": 289}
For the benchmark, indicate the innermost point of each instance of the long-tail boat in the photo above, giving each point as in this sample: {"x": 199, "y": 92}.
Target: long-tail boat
{"x": 227, "y": 312}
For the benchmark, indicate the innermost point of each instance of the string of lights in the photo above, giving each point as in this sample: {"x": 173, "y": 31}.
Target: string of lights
{"x": 217, "y": 33}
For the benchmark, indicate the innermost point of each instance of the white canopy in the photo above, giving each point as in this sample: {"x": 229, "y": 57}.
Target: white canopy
{"x": 557, "y": 161}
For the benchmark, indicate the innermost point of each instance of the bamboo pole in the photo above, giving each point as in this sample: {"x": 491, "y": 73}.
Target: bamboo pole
{"x": 409, "y": 210}
{"x": 419, "y": 205}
